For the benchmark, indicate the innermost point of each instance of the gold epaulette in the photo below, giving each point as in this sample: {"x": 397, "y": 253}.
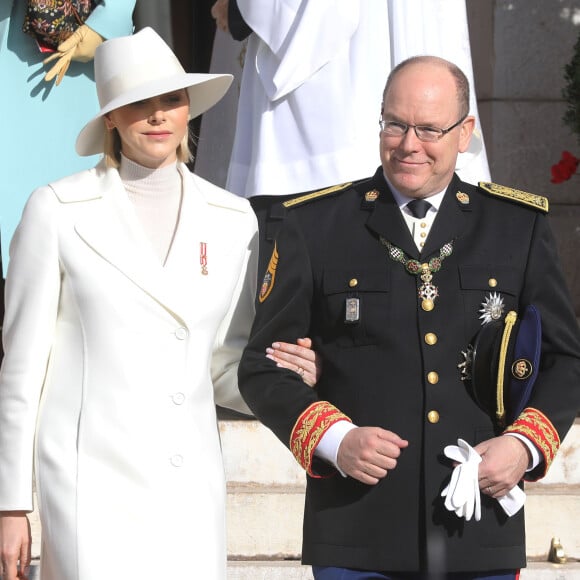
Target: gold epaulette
{"x": 315, "y": 195}
{"x": 536, "y": 201}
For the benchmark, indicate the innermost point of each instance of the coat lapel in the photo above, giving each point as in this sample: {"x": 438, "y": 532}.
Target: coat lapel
{"x": 183, "y": 268}
{"x": 111, "y": 228}
{"x": 451, "y": 221}
{"x": 386, "y": 219}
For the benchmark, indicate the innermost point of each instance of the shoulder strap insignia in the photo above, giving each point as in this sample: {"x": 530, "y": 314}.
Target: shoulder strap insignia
{"x": 269, "y": 276}
{"x": 536, "y": 201}
{"x": 315, "y": 195}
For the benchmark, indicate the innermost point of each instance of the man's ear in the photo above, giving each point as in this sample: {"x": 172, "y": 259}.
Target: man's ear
{"x": 466, "y": 131}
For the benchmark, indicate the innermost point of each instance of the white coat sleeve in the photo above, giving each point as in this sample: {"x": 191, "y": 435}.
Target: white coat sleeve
{"x": 234, "y": 329}
{"x": 32, "y": 293}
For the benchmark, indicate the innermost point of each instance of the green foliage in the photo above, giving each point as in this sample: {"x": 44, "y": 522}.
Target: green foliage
{"x": 571, "y": 92}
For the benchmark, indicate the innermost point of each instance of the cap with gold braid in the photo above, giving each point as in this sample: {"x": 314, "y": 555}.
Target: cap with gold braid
{"x": 504, "y": 364}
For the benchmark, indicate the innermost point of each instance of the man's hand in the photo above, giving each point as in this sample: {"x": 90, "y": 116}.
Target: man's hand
{"x": 80, "y": 46}
{"x": 504, "y": 462}
{"x": 299, "y": 358}
{"x": 15, "y": 541}
{"x": 219, "y": 11}
{"x": 369, "y": 453}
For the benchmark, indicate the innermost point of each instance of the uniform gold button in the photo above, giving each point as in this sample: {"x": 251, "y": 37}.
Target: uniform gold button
{"x": 433, "y": 377}
{"x": 423, "y": 225}
{"x": 492, "y": 282}
{"x": 423, "y": 234}
{"x": 433, "y": 417}
{"x": 353, "y": 282}
{"x": 430, "y": 338}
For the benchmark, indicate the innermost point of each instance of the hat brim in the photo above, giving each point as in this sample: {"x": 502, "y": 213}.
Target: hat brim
{"x": 204, "y": 91}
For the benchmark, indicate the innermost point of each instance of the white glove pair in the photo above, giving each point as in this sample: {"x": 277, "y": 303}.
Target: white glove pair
{"x": 462, "y": 495}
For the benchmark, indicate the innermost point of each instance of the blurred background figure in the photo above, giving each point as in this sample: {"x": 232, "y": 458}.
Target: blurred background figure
{"x": 49, "y": 117}
{"x": 311, "y": 64}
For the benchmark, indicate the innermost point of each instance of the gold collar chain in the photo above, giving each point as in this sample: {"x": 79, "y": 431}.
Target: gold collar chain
{"x": 427, "y": 291}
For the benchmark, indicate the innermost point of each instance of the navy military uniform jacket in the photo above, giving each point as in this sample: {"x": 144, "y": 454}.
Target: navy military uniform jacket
{"x": 396, "y": 366}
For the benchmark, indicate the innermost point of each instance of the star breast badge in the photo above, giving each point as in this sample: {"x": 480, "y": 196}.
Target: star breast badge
{"x": 492, "y": 308}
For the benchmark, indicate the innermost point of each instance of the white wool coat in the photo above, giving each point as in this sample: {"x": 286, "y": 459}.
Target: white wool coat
{"x": 112, "y": 370}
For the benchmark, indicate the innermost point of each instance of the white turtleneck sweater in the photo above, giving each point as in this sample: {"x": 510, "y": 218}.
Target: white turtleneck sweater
{"x": 156, "y": 196}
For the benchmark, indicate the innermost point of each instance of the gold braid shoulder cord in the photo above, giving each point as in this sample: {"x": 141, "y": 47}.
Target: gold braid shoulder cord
{"x": 427, "y": 291}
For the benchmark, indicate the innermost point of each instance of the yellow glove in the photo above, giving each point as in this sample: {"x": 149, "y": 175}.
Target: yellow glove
{"x": 80, "y": 46}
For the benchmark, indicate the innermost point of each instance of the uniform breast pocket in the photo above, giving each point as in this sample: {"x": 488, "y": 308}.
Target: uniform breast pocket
{"x": 489, "y": 292}
{"x": 355, "y": 305}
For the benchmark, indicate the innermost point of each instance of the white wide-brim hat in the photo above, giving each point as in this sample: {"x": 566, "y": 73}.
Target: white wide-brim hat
{"x": 132, "y": 68}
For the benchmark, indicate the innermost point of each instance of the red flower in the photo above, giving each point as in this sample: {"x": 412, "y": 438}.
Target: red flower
{"x": 565, "y": 168}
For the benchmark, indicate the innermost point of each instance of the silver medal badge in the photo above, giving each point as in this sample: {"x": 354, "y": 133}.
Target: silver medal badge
{"x": 492, "y": 308}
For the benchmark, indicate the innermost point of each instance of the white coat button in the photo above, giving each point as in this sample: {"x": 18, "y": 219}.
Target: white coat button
{"x": 178, "y": 398}
{"x": 177, "y": 461}
{"x": 181, "y": 333}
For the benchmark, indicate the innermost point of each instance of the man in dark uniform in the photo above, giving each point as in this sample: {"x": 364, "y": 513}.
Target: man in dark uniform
{"x": 393, "y": 295}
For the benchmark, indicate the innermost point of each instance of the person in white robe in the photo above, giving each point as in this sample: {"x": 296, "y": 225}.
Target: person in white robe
{"x": 311, "y": 89}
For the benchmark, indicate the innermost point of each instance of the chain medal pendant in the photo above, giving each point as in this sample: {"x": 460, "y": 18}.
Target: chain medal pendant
{"x": 428, "y": 292}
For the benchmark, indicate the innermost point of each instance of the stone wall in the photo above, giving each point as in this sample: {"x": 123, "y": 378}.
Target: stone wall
{"x": 519, "y": 50}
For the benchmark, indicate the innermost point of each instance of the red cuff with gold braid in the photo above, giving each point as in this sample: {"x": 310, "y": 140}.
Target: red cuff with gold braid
{"x": 309, "y": 429}
{"x": 540, "y": 431}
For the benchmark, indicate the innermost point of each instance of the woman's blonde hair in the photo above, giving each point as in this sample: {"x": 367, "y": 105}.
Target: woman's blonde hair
{"x": 112, "y": 149}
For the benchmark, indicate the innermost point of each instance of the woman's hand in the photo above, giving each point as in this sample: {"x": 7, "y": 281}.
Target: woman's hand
{"x": 15, "y": 542}
{"x": 299, "y": 358}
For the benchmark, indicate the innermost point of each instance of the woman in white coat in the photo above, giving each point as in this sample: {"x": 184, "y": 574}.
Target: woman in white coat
{"x": 129, "y": 300}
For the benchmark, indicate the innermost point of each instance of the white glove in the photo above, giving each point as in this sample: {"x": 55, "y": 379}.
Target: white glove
{"x": 462, "y": 495}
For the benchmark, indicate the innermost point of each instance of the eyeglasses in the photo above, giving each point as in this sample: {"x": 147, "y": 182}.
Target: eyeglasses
{"x": 423, "y": 132}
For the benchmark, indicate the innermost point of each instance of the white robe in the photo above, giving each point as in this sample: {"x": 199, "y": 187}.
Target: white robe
{"x": 312, "y": 84}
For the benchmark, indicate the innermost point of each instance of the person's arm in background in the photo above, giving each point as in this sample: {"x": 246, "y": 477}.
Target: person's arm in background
{"x": 229, "y": 19}
{"x": 239, "y": 29}
{"x": 107, "y": 20}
